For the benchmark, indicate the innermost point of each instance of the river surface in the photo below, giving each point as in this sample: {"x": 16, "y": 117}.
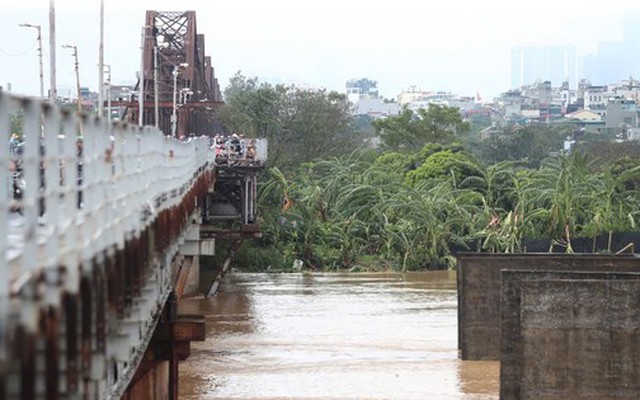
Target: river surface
{"x": 333, "y": 336}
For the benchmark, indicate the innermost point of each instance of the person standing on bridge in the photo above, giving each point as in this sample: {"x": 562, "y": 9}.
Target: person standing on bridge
{"x": 250, "y": 154}
{"x": 243, "y": 146}
{"x": 234, "y": 143}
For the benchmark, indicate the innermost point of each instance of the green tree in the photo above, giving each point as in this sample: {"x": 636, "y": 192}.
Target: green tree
{"x": 564, "y": 188}
{"x": 442, "y": 164}
{"x": 320, "y": 125}
{"x": 300, "y": 124}
{"x": 410, "y": 130}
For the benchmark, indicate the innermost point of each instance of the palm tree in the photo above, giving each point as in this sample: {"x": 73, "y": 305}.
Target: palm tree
{"x": 564, "y": 187}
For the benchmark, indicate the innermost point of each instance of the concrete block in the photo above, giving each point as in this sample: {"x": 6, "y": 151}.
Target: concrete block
{"x": 570, "y": 335}
{"x": 478, "y": 284}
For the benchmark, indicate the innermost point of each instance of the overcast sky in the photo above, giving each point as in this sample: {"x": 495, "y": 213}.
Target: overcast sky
{"x": 460, "y": 46}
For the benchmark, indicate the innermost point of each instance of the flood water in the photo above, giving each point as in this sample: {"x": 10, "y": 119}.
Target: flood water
{"x": 333, "y": 336}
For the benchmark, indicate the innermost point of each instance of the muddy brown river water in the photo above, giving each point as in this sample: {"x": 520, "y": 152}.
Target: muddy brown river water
{"x": 333, "y": 336}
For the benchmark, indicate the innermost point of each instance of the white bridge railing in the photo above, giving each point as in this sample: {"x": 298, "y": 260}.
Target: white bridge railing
{"x": 86, "y": 188}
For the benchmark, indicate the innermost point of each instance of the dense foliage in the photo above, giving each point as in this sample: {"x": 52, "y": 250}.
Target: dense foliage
{"x": 356, "y": 212}
{"x": 411, "y": 130}
{"x": 408, "y": 205}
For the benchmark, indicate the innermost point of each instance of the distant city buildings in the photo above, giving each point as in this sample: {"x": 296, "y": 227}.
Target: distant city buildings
{"x": 363, "y": 94}
{"x": 603, "y": 109}
{"x": 595, "y": 92}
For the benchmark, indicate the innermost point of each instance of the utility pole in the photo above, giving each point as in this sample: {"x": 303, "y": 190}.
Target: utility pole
{"x": 101, "y": 63}
{"x": 37, "y": 27}
{"x": 77, "y": 68}
{"x": 53, "y": 91}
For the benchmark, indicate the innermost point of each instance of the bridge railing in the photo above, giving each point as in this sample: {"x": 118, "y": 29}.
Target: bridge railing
{"x": 86, "y": 185}
{"x": 75, "y": 190}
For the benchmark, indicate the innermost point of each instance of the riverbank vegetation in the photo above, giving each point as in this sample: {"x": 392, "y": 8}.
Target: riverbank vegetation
{"x": 430, "y": 188}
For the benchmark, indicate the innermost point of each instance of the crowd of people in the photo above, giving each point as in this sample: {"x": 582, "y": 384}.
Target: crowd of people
{"x": 234, "y": 147}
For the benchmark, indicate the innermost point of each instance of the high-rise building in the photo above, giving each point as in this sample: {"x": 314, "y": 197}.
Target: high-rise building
{"x": 530, "y": 64}
{"x": 614, "y": 60}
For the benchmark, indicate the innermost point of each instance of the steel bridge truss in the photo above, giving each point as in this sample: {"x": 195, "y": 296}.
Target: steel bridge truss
{"x": 176, "y": 73}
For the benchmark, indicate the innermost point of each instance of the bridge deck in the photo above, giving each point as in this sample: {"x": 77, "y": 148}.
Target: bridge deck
{"x": 88, "y": 262}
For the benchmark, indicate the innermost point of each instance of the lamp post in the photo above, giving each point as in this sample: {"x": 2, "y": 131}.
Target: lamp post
{"x": 77, "y": 69}
{"x": 53, "y": 91}
{"x": 174, "y": 119}
{"x": 37, "y": 27}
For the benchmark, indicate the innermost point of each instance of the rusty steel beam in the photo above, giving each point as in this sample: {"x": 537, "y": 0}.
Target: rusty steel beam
{"x": 185, "y": 266}
{"x": 86, "y": 314}
{"x": 28, "y": 367}
{"x": 50, "y": 328}
{"x": 101, "y": 311}
{"x": 169, "y": 104}
{"x": 235, "y": 246}
{"x": 184, "y": 328}
{"x": 248, "y": 231}
{"x": 70, "y": 305}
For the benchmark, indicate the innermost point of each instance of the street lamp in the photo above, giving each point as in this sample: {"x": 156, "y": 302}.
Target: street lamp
{"x": 37, "y": 27}
{"x": 174, "y": 119}
{"x": 53, "y": 91}
{"x": 101, "y": 65}
{"x": 76, "y": 66}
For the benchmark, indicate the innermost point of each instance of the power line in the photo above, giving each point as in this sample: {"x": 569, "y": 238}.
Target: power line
{"x": 6, "y": 53}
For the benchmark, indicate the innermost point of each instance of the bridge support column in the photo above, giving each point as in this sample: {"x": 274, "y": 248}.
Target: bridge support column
{"x": 193, "y": 244}
{"x": 157, "y": 375}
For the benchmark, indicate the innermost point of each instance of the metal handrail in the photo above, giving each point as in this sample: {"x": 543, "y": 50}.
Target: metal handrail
{"x": 80, "y": 203}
